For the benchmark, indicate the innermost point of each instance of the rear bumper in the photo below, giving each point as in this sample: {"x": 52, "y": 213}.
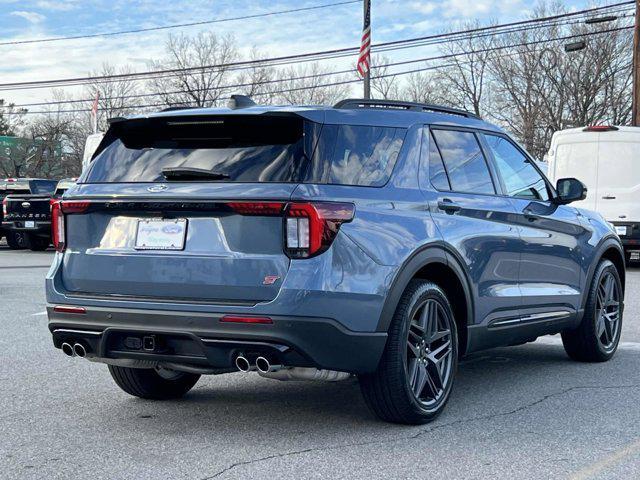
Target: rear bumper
{"x": 42, "y": 229}
{"x": 201, "y": 340}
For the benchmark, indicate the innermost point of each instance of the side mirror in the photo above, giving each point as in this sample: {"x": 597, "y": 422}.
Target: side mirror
{"x": 570, "y": 190}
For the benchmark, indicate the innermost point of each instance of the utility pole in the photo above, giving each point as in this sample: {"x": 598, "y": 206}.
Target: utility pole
{"x": 364, "y": 57}
{"x": 635, "y": 109}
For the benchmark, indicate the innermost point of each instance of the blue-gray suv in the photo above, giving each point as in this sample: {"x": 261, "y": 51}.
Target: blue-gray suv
{"x": 374, "y": 238}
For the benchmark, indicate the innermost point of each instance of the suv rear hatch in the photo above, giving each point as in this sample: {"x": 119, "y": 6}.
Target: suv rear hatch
{"x": 199, "y": 208}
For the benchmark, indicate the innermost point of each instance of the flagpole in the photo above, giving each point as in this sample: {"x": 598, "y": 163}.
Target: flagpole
{"x": 367, "y": 78}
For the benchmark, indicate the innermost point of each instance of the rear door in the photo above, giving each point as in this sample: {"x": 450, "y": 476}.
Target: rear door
{"x": 619, "y": 176}
{"x": 476, "y": 221}
{"x": 186, "y": 209}
{"x": 552, "y": 235}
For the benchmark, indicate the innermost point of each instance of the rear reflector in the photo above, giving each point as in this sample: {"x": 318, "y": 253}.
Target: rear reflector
{"x": 69, "y": 309}
{"x": 239, "y": 319}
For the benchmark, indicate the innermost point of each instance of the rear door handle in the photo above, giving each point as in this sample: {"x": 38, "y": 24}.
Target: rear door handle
{"x": 448, "y": 206}
{"x": 529, "y": 215}
{"x": 608, "y": 197}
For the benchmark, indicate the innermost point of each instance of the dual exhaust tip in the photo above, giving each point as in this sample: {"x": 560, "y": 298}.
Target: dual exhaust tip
{"x": 262, "y": 365}
{"x": 75, "y": 350}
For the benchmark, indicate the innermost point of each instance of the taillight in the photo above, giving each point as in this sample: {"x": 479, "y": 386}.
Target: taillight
{"x": 311, "y": 227}
{"x": 57, "y": 226}
{"x": 60, "y": 208}
{"x": 69, "y": 309}
{"x": 243, "y": 319}
{"x": 4, "y": 207}
{"x": 257, "y": 208}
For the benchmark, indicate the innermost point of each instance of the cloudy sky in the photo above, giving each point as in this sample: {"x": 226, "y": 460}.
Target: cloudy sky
{"x": 335, "y": 27}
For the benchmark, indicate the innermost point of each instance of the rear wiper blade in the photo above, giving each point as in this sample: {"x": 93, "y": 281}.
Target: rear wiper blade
{"x": 183, "y": 173}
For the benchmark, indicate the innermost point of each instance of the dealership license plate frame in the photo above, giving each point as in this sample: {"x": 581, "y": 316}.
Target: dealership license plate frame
{"x": 161, "y": 240}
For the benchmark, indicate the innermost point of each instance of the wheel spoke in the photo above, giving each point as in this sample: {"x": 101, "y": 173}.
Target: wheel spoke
{"x": 420, "y": 380}
{"x": 415, "y": 351}
{"x": 600, "y": 326}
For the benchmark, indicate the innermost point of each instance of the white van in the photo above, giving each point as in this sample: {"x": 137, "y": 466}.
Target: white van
{"x": 90, "y": 147}
{"x": 607, "y": 160}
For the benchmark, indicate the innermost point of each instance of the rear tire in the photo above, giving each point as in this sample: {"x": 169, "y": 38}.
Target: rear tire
{"x": 16, "y": 240}
{"x": 596, "y": 338}
{"x": 153, "y": 384}
{"x": 38, "y": 244}
{"x": 421, "y": 356}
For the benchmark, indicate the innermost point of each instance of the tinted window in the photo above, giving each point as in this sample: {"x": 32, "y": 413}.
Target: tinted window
{"x": 520, "y": 177}
{"x": 464, "y": 161}
{"x": 437, "y": 173}
{"x": 356, "y": 155}
{"x": 247, "y": 149}
{"x": 40, "y": 187}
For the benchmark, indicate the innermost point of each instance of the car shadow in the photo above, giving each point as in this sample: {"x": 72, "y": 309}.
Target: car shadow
{"x": 494, "y": 381}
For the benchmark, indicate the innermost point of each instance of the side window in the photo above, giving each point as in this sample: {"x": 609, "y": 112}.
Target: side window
{"x": 437, "y": 173}
{"x": 520, "y": 177}
{"x": 464, "y": 161}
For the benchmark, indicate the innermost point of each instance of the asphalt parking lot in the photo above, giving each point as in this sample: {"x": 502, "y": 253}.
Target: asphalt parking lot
{"x": 520, "y": 412}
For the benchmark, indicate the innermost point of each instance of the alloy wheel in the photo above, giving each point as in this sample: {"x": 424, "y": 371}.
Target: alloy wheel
{"x": 429, "y": 358}
{"x": 608, "y": 312}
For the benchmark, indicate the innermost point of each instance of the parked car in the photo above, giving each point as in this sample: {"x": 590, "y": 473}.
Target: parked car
{"x": 26, "y": 212}
{"x": 606, "y": 159}
{"x": 375, "y": 238}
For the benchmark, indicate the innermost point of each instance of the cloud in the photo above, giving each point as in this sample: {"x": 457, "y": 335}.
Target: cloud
{"x": 58, "y": 5}
{"x": 32, "y": 17}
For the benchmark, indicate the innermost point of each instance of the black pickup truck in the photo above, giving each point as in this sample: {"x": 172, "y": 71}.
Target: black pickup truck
{"x": 26, "y": 212}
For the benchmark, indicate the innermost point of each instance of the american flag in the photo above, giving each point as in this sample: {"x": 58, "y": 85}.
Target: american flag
{"x": 365, "y": 45}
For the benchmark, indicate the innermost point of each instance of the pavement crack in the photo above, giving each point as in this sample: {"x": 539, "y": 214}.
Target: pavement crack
{"x": 422, "y": 432}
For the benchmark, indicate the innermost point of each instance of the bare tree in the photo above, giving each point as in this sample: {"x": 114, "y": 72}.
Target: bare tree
{"x": 257, "y": 80}
{"x": 383, "y": 82}
{"x": 467, "y": 71}
{"x": 311, "y": 84}
{"x": 205, "y": 58}
{"x": 117, "y": 97}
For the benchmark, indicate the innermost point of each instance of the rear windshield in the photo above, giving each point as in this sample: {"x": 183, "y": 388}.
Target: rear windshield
{"x": 42, "y": 187}
{"x": 245, "y": 148}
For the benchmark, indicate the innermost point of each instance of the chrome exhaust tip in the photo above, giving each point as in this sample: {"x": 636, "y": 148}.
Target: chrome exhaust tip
{"x": 243, "y": 364}
{"x": 263, "y": 365}
{"x": 79, "y": 350}
{"x": 67, "y": 349}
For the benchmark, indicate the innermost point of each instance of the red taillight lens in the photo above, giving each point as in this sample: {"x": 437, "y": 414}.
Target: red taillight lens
{"x": 69, "y": 309}
{"x": 600, "y": 128}
{"x": 59, "y": 209}
{"x": 57, "y": 225}
{"x": 257, "y": 208}
{"x": 241, "y": 319}
{"x": 4, "y": 207}
{"x": 311, "y": 227}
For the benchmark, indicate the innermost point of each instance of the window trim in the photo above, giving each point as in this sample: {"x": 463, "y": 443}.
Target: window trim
{"x": 497, "y": 185}
{"x": 551, "y": 190}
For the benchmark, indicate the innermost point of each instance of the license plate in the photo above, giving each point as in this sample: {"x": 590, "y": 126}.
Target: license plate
{"x": 30, "y": 224}
{"x": 621, "y": 230}
{"x": 161, "y": 234}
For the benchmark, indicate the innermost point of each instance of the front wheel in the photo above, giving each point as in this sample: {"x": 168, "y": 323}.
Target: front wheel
{"x": 596, "y": 338}
{"x": 154, "y": 384}
{"x": 414, "y": 378}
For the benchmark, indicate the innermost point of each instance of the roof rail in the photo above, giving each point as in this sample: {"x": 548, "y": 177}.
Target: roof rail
{"x": 401, "y": 105}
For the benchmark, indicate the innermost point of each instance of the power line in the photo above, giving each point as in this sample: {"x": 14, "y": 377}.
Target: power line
{"x": 394, "y": 74}
{"x": 321, "y": 55}
{"x": 178, "y": 25}
{"x": 304, "y": 77}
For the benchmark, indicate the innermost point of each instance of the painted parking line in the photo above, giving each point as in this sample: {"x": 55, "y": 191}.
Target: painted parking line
{"x": 556, "y": 340}
{"x": 609, "y": 461}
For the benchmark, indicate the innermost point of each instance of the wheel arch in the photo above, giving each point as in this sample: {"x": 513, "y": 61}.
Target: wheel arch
{"x": 437, "y": 264}
{"x": 609, "y": 249}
